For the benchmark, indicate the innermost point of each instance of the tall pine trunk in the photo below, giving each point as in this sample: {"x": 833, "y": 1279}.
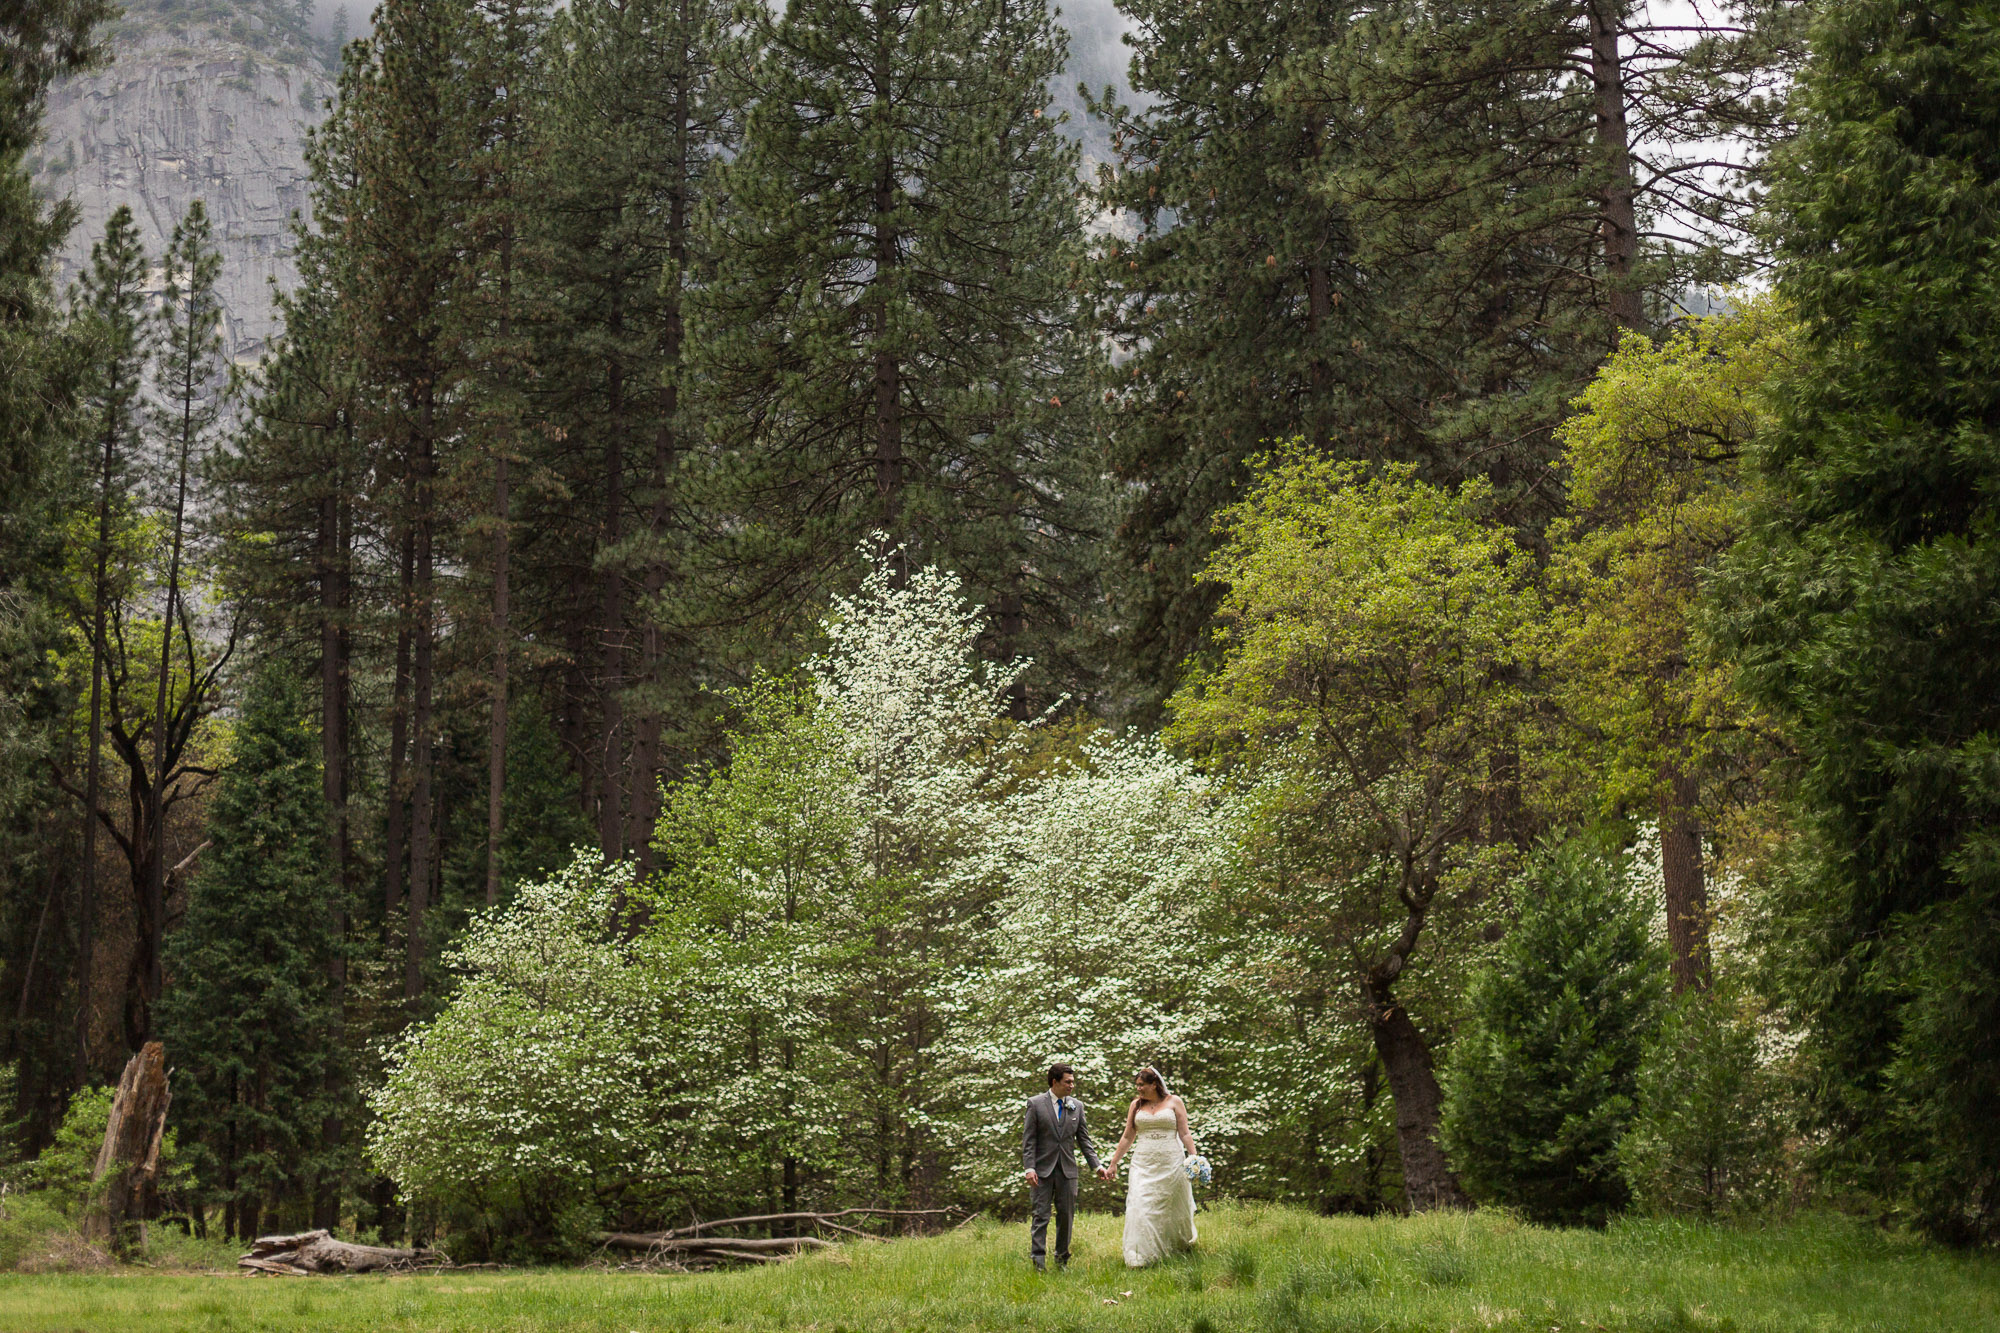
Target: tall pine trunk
{"x": 496, "y": 730}
{"x": 646, "y": 756}
{"x": 422, "y": 684}
{"x": 399, "y": 736}
{"x": 496, "y": 725}
{"x": 611, "y": 615}
{"x": 334, "y": 549}
{"x": 1619, "y": 222}
{"x": 888, "y": 368}
{"x": 86, "y": 934}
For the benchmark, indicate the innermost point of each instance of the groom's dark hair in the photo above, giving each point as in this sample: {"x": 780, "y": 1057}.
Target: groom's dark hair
{"x": 1059, "y": 1072}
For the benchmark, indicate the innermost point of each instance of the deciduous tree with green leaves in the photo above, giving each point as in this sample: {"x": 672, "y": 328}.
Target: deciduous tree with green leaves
{"x": 1652, "y": 720}
{"x": 1375, "y": 637}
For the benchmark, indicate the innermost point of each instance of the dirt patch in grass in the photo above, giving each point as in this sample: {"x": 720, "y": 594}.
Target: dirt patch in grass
{"x": 64, "y": 1252}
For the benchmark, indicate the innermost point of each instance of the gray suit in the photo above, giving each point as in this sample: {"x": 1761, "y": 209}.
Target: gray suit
{"x": 1048, "y": 1148}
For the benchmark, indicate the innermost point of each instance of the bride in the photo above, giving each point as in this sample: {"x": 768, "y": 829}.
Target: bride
{"x": 1159, "y": 1198}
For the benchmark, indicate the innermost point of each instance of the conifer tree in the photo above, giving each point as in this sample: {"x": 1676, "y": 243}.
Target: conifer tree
{"x": 1239, "y": 306}
{"x": 40, "y": 41}
{"x": 1545, "y": 1069}
{"x": 890, "y": 338}
{"x": 1534, "y": 179}
{"x": 295, "y": 482}
{"x": 110, "y": 304}
{"x": 1860, "y": 604}
{"x": 405, "y": 231}
{"x": 634, "y": 120}
{"x": 502, "y": 81}
{"x": 251, "y": 1019}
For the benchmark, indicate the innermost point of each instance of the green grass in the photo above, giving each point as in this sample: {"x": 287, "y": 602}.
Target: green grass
{"x": 1263, "y": 1269}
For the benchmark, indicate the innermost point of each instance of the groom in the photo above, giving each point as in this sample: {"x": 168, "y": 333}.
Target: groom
{"x": 1054, "y": 1130}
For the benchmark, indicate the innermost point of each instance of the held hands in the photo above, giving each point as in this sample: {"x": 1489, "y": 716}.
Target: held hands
{"x": 1107, "y": 1171}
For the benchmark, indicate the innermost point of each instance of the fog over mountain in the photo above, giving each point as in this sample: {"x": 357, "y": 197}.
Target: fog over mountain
{"x": 212, "y": 99}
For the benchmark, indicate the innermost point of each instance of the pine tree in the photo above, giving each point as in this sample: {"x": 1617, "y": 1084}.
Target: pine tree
{"x": 1545, "y": 1068}
{"x": 1239, "y": 307}
{"x": 1860, "y": 605}
{"x": 1540, "y": 177}
{"x": 40, "y": 41}
{"x": 891, "y": 338}
{"x": 502, "y": 80}
{"x": 251, "y": 1017}
{"x": 405, "y": 233}
{"x": 634, "y": 120}
{"x": 110, "y": 301}
{"x": 295, "y": 482}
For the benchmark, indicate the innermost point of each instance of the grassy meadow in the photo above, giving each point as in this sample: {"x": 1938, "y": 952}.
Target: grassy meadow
{"x": 1257, "y": 1268}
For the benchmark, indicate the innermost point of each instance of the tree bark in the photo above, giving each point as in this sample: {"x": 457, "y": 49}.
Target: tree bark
{"x": 128, "y": 1162}
{"x": 399, "y": 740}
{"x": 888, "y": 367}
{"x": 496, "y": 726}
{"x": 666, "y": 445}
{"x": 496, "y": 729}
{"x": 611, "y": 617}
{"x": 1618, "y": 214}
{"x": 1428, "y": 1181}
{"x": 423, "y": 656}
{"x": 1684, "y": 885}
{"x": 318, "y": 1252}
{"x": 335, "y": 538}
{"x": 153, "y": 918}
{"x": 86, "y": 942}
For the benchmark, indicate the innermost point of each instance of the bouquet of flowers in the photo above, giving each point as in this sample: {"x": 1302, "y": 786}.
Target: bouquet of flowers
{"x": 1197, "y": 1169}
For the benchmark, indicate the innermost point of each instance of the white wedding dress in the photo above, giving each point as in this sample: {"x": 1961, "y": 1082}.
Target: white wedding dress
{"x": 1159, "y": 1198}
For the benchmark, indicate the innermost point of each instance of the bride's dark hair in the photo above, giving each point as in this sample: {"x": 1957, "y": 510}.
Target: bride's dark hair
{"x": 1152, "y": 1076}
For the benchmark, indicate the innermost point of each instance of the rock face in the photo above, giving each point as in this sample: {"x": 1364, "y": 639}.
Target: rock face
{"x": 182, "y": 116}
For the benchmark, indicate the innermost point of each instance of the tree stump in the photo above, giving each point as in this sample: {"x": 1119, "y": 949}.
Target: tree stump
{"x": 124, "y": 1183}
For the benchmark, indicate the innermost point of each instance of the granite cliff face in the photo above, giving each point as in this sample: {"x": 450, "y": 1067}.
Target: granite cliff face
{"x": 193, "y": 114}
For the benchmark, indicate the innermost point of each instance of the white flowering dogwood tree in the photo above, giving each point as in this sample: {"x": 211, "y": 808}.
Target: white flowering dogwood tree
{"x": 549, "y": 1070}
{"x": 876, "y": 923}
{"x": 1107, "y": 869}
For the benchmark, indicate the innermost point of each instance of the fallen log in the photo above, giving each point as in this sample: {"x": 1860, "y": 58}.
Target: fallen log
{"x": 318, "y": 1252}
{"x": 271, "y": 1266}
{"x": 631, "y": 1240}
{"x": 772, "y": 1219}
{"x": 693, "y": 1241}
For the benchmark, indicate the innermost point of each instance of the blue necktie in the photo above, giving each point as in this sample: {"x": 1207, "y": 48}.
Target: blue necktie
{"x": 1059, "y": 1110}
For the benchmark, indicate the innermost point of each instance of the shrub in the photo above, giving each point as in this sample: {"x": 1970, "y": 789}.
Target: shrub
{"x": 62, "y": 1172}
{"x": 1707, "y": 1137}
{"x": 1542, "y": 1078}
